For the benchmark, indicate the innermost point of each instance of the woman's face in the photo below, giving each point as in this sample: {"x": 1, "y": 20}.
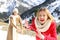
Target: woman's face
{"x": 15, "y": 13}
{"x": 42, "y": 17}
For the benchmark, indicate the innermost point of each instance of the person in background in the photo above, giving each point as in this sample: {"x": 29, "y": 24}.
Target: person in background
{"x": 15, "y": 25}
{"x": 43, "y": 25}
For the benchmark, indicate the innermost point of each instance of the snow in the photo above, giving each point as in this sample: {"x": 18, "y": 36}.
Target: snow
{"x": 34, "y": 2}
{"x": 26, "y": 37}
{"x": 53, "y": 6}
{"x": 3, "y": 36}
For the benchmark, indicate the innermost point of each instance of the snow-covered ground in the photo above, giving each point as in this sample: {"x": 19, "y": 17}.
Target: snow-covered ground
{"x": 3, "y": 36}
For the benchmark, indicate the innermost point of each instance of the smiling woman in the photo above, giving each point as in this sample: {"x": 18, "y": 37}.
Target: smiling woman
{"x": 43, "y": 25}
{"x": 15, "y": 24}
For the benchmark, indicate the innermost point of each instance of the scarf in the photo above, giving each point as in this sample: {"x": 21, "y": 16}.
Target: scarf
{"x": 44, "y": 27}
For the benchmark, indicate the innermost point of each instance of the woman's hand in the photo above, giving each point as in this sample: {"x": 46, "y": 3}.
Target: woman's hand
{"x": 26, "y": 24}
{"x": 19, "y": 31}
{"x": 39, "y": 34}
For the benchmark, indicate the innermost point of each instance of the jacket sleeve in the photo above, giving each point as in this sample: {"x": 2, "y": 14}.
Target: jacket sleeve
{"x": 53, "y": 33}
{"x": 31, "y": 27}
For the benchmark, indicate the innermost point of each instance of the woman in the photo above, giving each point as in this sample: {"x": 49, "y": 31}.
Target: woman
{"x": 15, "y": 24}
{"x": 43, "y": 25}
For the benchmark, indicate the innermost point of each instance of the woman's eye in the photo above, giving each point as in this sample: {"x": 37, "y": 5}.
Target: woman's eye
{"x": 43, "y": 15}
{"x": 40, "y": 15}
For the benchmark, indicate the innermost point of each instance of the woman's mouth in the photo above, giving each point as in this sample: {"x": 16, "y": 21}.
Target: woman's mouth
{"x": 42, "y": 20}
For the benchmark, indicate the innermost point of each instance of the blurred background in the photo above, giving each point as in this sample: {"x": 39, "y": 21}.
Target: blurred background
{"x": 27, "y": 8}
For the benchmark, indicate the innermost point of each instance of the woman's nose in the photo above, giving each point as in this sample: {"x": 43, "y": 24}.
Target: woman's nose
{"x": 42, "y": 17}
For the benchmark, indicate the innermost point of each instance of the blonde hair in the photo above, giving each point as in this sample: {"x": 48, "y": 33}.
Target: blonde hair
{"x": 47, "y": 12}
{"x": 15, "y": 9}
